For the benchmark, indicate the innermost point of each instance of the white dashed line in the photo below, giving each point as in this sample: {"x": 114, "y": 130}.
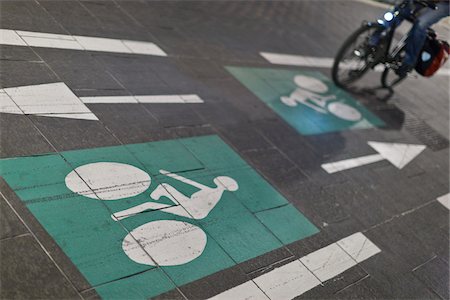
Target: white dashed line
{"x": 300, "y": 276}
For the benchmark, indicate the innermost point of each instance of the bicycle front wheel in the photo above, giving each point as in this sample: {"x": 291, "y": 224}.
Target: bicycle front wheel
{"x": 355, "y": 57}
{"x": 389, "y": 78}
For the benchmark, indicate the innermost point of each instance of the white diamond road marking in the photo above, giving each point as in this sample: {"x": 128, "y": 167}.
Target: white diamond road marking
{"x": 300, "y": 276}
{"x": 445, "y": 200}
{"x": 317, "y": 62}
{"x": 77, "y": 42}
{"x": 57, "y": 100}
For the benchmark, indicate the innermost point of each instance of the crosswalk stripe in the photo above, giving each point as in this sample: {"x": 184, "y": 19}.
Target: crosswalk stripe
{"x": 300, "y": 276}
{"x": 77, "y": 42}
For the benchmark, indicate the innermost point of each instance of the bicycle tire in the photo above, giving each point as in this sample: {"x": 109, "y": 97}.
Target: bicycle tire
{"x": 388, "y": 70}
{"x": 347, "y": 46}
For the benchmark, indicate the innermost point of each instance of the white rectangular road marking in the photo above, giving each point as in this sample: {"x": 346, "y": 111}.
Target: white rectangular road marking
{"x": 10, "y": 37}
{"x": 50, "y": 98}
{"x": 316, "y": 62}
{"x": 445, "y": 200}
{"x": 181, "y": 99}
{"x": 109, "y": 99}
{"x": 351, "y": 163}
{"x": 358, "y": 246}
{"x": 328, "y": 262}
{"x": 300, "y": 276}
{"x": 77, "y": 42}
{"x": 288, "y": 281}
{"x": 248, "y": 291}
{"x": 58, "y": 101}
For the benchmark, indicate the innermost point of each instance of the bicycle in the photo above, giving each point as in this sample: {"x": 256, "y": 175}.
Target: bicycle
{"x": 369, "y": 47}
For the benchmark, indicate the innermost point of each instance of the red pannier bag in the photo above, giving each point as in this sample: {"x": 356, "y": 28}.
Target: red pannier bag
{"x": 433, "y": 55}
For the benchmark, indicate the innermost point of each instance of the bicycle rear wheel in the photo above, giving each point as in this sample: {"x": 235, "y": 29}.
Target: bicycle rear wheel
{"x": 355, "y": 57}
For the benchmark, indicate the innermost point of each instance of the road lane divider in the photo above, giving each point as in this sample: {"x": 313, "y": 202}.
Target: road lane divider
{"x": 317, "y": 62}
{"x": 300, "y": 276}
{"x": 58, "y": 101}
{"x": 77, "y": 42}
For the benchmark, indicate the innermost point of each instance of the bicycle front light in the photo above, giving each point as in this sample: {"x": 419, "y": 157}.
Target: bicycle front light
{"x": 388, "y": 16}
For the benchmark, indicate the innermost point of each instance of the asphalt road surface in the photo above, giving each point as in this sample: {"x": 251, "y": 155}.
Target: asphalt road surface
{"x": 199, "y": 149}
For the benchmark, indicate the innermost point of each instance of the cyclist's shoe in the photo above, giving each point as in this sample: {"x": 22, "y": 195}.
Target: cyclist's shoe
{"x": 403, "y": 70}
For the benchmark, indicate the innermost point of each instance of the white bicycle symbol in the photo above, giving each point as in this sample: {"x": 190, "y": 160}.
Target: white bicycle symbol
{"x": 162, "y": 242}
{"x": 311, "y": 93}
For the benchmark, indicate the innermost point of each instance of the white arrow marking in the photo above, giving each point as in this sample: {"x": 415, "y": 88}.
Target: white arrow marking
{"x": 445, "y": 200}
{"x": 397, "y": 154}
{"x": 76, "y": 42}
{"x": 317, "y": 62}
{"x": 58, "y": 101}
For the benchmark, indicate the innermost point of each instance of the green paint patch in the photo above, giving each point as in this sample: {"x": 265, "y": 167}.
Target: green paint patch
{"x": 137, "y": 220}
{"x": 308, "y": 101}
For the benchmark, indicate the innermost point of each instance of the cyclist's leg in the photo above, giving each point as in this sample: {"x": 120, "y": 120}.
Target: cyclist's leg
{"x": 418, "y": 33}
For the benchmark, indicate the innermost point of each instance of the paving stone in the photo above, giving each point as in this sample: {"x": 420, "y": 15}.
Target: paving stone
{"x": 68, "y": 134}
{"x": 214, "y": 284}
{"x": 114, "y": 22}
{"x": 8, "y": 52}
{"x": 50, "y": 245}
{"x": 78, "y": 69}
{"x": 20, "y": 73}
{"x": 20, "y": 137}
{"x": 392, "y": 278}
{"x": 31, "y": 273}
{"x": 400, "y": 243}
{"x": 29, "y": 16}
{"x": 11, "y": 225}
{"x": 435, "y": 275}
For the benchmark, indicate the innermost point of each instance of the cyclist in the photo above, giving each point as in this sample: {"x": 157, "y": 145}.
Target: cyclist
{"x": 418, "y": 33}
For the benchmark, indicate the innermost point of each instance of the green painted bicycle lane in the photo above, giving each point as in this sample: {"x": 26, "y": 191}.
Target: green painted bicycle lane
{"x": 139, "y": 219}
{"x": 307, "y": 100}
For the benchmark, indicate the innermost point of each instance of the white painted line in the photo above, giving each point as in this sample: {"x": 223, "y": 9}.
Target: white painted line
{"x": 358, "y": 246}
{"x": 44, "y": 35}
{"x": 445, "y": 200}
{"x": 297, "y": 60}
{"x": 51, "y": 100}
{"x": 81, "y": 116}
{"x": 156, "y": 99}
{"x": 109, "y": 99}
{"x": 169, "y": 99}
{"x": 58, "y": 101}
{"x": 351, "y": 163}
{"x": 101, "y": 44}
{"x": 246, "y": 291}
{"x": 52, "y": 43}
{"x": 77, "y": 42}
{"x": 7, "y": 105}
{"x": 328, "y": 262}
{"x": 300, "y": 276}
{"x": 397, "y": 154}
{"x": 10, "y": 37}
{"x": 287, "y": 281}
{"x": 318, "y": 62}
{"x": 146, "y": 48}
